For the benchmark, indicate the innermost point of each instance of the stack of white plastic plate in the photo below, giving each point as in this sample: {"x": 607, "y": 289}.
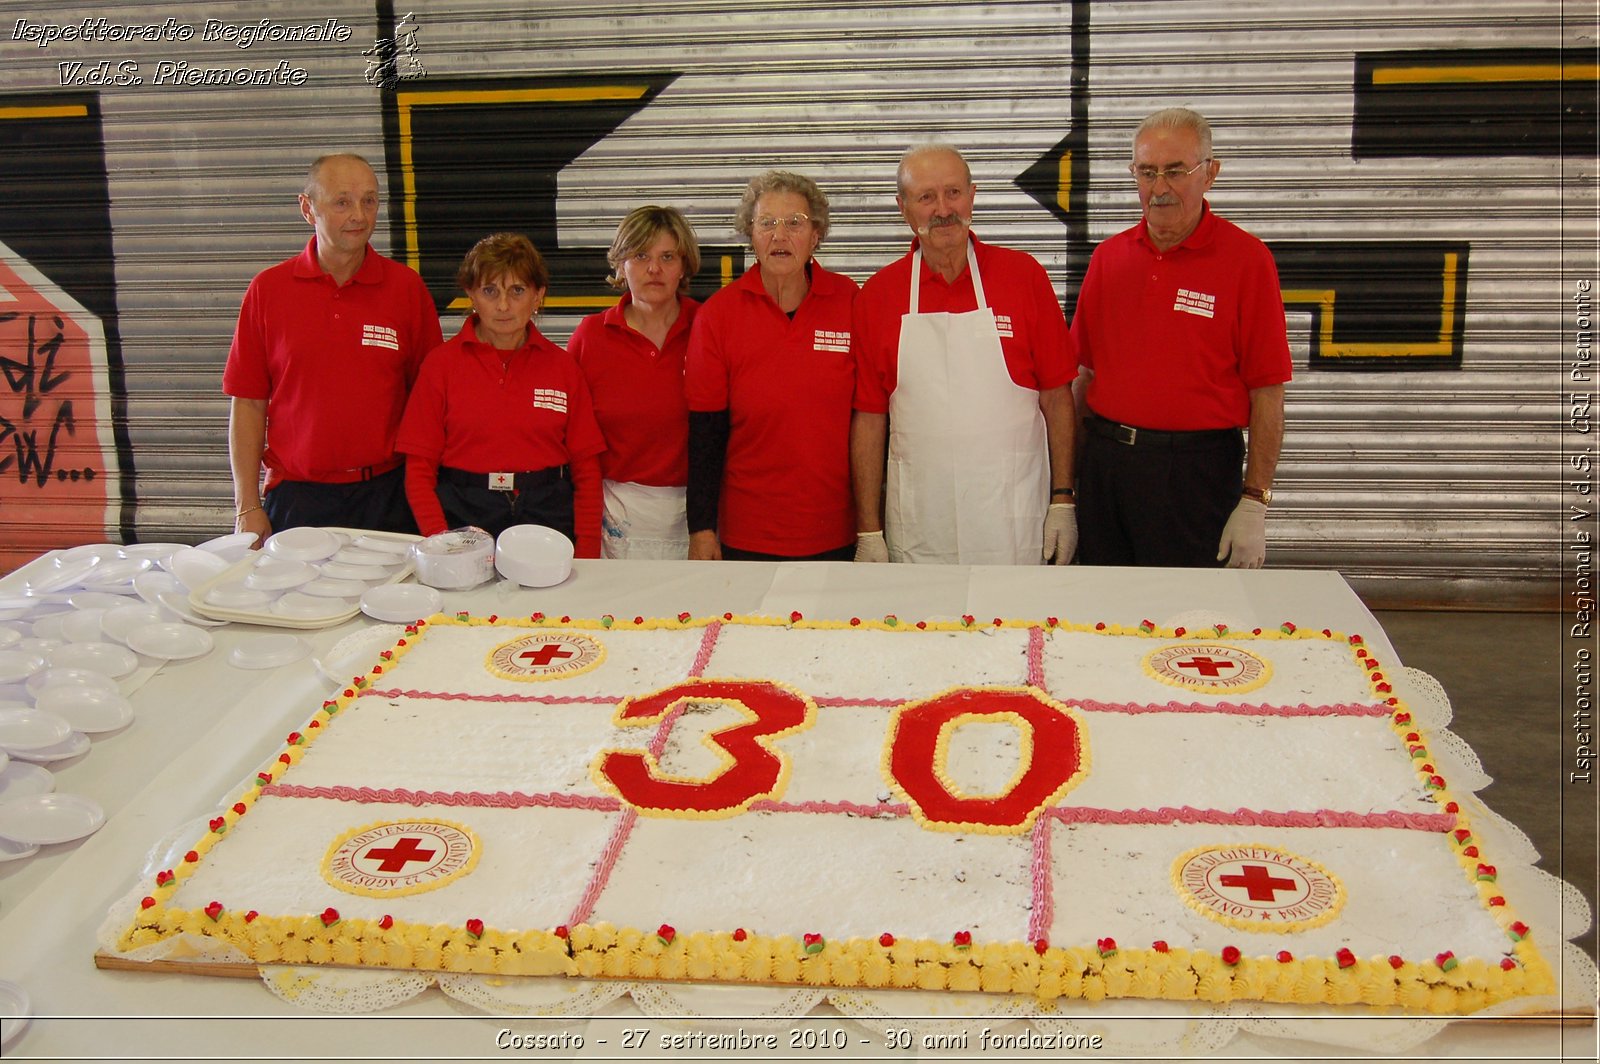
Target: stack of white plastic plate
{"x": 301, "y": 577}
{"x": 78, "y": 626}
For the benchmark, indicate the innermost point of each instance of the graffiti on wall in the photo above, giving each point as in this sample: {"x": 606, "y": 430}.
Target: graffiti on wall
{"x": 64, "y": 456}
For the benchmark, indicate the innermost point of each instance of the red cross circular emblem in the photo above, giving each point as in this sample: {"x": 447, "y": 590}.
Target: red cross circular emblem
{"x": 400, "y": 857}
{"x": 1210, "y": 667}
{"x": 545, "y": 657}
{"x": 1257, "y": 888}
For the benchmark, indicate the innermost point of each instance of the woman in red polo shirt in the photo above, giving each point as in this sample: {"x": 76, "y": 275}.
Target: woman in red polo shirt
{"x": 769, "y": 380}
{"x": 632, "y": 357}
{"x": 499, "y": 429}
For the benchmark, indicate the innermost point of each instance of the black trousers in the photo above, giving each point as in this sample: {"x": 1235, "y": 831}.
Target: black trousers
{"x": 378, "y": 504}
{"x": 1162, "y": 500}
{"x": 542, "y": 497}
{"x": 845, "y": 553}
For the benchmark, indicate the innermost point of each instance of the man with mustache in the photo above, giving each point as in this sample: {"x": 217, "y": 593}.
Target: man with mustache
{"x": 1180, "y": 332}
{"x": 963, "y": 374}
{"x": 327, "y": 346}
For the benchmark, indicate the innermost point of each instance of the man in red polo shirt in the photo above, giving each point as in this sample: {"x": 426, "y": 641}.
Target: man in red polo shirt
{"x": 1181, "y": 336}
{"x": 963, "y": 368}
{"x": 323, "y": 357}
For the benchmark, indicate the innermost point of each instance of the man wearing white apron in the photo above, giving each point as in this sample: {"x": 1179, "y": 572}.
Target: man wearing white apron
{"x": 964, "y": 366}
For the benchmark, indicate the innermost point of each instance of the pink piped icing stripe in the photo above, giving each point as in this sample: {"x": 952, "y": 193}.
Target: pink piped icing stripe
{"x": 612, "y": 851}
{"x": 1237, "y": 709}
{"x": 1036, "y": 657}
{"x": 849, "y": 808}
{"x": 708, "y": 643}
{"x": 1089, "y": 705}
{"x": 609, "y": 854}
{"x": 459, "y": 696}
{"x": 1321, "y": 818}
{"x": 482, "y": 799}
{"x": 1043, "y": 912}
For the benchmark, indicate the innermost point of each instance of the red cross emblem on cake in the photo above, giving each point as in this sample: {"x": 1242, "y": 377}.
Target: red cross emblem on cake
{"x": 400, "y": 857}
{"x": 1210, "y": 667}
{"x": 546, "y": 657}
{"x": 1257, "y": 888}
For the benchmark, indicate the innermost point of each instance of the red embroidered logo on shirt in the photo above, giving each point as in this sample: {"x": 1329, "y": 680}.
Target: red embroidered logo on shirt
{"x": 550, "y": 399}
{"x": 380, "y": 336}
{"x": 1200, "y": 303}
{"x": 828, "y": 340}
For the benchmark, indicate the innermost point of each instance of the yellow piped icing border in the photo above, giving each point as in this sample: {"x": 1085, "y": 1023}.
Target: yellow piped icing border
{"x": 421, "y": 887}
{"x": 1199, "y": 905}
{"x": 947, "y": 731}
{"x": 1047, "y": 972}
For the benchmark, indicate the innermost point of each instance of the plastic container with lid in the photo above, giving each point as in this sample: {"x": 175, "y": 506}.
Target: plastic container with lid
{"x": 455, "y": 560}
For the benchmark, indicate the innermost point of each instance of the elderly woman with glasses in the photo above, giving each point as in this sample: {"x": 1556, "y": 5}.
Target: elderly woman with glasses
{"x": 632, "y": 356}
{"x": 769, "y": 381}
{"x": 499, "y": 429}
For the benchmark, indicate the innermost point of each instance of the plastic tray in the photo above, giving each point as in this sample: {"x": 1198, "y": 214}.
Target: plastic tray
{"x": 240, "y": 569}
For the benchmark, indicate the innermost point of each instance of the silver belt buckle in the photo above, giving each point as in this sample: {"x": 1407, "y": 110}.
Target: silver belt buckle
{"x": 502, "y": 482}
{"x": 1126, "y": 434}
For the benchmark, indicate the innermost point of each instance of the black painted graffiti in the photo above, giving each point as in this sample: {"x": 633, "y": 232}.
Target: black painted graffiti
{"x": 34, "y": 378}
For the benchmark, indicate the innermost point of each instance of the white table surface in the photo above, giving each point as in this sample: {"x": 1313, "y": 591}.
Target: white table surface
{"x": 203, "y": 726}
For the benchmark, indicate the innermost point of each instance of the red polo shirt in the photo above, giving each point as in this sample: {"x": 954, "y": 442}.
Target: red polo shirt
{"x": 637, "y": 390}
{"x": 1177, "y": 339}
{"x": 786, "y": 386}
{"x": 472, "y": 409}
{"x": 334, "y": 363}
{"x": 1033, "y": 333}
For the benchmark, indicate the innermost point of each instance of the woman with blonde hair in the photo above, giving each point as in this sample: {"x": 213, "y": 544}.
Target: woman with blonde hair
{"x": 632, "y": 357}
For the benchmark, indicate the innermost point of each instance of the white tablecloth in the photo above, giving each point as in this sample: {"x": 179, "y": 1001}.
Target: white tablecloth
{"x": 202, "y": 726}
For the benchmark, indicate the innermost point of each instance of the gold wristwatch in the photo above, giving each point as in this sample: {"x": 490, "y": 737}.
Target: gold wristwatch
{"x": 1260, "y": 495}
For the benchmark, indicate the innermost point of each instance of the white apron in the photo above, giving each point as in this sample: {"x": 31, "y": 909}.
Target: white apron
{"x": 969, "y": 471}
{"x": 643, "y": 521}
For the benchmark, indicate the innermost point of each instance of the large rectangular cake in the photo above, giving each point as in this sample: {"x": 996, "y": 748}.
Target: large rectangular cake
{"x": 1061, "y": 810}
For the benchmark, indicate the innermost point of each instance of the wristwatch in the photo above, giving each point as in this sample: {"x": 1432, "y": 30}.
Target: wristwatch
{"x": 1260, "y": 495}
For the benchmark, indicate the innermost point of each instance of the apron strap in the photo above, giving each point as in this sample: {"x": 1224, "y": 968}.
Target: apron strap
{"x": 916, "y": 278}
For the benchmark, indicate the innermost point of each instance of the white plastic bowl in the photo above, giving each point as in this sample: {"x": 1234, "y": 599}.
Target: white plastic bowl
{"x": 533, "y": 555}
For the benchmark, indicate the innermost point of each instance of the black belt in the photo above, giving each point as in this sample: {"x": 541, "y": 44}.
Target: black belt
{"x": 1137, "y": 437}
{"x": 507, "y": 481}
{"x": 356, "y": 474}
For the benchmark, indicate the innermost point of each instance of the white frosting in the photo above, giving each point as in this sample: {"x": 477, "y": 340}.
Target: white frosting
{"x": 450, "y": 659}
{"x": 1405, "y": 892}
{"x": 843, "y": 873}
{"x": 271, "y": 862}
{"x": 832, "y": 874}
{"x": 425, "y": 744}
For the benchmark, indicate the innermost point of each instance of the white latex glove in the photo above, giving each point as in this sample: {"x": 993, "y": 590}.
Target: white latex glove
{"x": 871, "y": 547}
{"x": 1244, "y": 538}
{"x": 1060, "y": 533}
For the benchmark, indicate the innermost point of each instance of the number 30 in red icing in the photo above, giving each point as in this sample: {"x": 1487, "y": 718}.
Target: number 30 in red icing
{"x": 1052, "y": 757}
{"x": 751, "y": 769}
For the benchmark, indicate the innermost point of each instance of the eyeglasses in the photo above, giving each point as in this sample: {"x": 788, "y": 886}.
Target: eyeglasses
{"x": 794, "y": 223}
{"x": 1147, "y": 175}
